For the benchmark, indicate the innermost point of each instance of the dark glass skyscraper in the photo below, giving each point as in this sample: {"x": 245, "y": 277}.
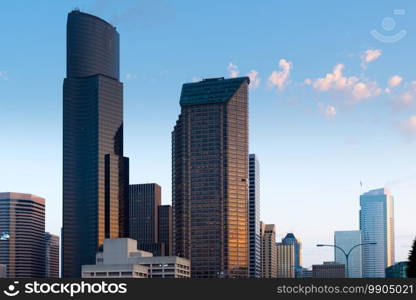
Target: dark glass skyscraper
{"x": 22, "y": 231}
{"x": 165, "y": 228}
{"x": 144, "y": 202}
{"x": 210, "y": 177}
{"x": 95, "y": 173}
{"x": 254, "y": 217}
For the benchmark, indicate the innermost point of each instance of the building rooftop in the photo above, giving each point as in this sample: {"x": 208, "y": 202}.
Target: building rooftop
{"x": 378, "y": 192}
{"x": 211, "y": 90}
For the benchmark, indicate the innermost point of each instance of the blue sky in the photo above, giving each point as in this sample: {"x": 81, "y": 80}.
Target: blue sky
{"x": 331, "y": 105}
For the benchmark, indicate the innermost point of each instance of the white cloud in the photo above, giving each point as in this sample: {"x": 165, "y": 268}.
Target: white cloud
{"x": 363, "y": 90}
{"x": 3, "y": 75}
{"x": 369, "y": 56}
{"x": 409, "y": 127}
{"x": 196, "y": 79}
{"x": 328, "y": 111}
{"x": 307, "y": 81}
{"x": 352, "y": 86}
{"x": 335, "y": 80}
{"x": 233, "y": 70}
{"x": 131, "y": 76}
{"x": 405, "y": 99}
{"x": 254, "y": 79}
{"x": 394, "y": 81}
{"x": 281, "y": 78}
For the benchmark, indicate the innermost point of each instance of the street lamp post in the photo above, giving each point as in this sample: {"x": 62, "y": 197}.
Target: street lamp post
{"x": 347, "y": 254}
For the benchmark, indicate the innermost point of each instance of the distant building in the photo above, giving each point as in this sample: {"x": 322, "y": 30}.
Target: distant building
{"x": 3, "y": 271}
{"x": 121, "y": 259}
{"x": 290, "y": 239}
{"x": 285, "y": 254}
{"x": 328, "y": 270}
{"x": 254, "y": 217}
{"x": 144, "y": 201}
{"x": 165, "y": 228}
{"x": 51, "y": 255}
{"x": 22, "y": 230}
{"x": 377, "y": 225}
{"x": 347, "y": 240}
{"x": 305, "y": 273}
{"x": 398, "y": 270}
{"x": 210, "y": 177}
{"x": 268, "y": 251}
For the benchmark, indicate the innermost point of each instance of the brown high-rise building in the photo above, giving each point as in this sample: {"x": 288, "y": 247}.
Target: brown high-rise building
{"x": 210, "y": 177}
{"x": 22, "y": 230}
{"x": 268, "y": 250}
{"x": 51, "y": 255}
{"x": 95, "y": 172}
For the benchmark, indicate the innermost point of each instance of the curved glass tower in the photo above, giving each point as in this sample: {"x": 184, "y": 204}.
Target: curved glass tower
{"x": 95, "y": 173}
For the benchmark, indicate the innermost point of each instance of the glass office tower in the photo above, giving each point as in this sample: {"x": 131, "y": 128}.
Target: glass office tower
{"x": 377, "y": 225}
{"x": 254, "y": 217}
{"x": 210, "y": 177}
{"x": 95, "y": 173}
{"x": 347, "y": 240}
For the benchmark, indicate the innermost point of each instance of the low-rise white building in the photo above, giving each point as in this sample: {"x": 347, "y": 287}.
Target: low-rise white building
{"x": 121, "y": 259}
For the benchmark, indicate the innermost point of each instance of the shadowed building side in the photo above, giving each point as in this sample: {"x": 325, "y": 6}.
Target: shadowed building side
{"x": 95, "y": 173}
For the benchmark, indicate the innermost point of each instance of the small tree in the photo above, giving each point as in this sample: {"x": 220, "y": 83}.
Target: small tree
{"x": 411, "y": 269}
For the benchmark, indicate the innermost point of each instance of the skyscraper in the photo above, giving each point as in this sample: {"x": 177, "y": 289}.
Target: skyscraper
{"x": 210, "y": 177}
{"x": 254, "y": 217}
{"x": 95, "y": 173}
{"x": 22, "y": 230}
{"x": 377, "y": 225}
{"x": 290, "y": 239}
{"x": 51, "y": 255}
{"x": 285, "y": 256}
{"x": 165, "y": 228}
{"x": 346, "y": 240}
{"x": 268, "y": 251}
{"x": 144, "y": 221}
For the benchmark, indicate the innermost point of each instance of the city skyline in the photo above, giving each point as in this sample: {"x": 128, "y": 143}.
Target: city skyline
{"x": 280, "y": 169}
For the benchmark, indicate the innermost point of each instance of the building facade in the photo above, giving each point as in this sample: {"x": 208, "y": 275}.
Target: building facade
{"x": 398, "y": 270}
{"x": 377, "y": 225}
{"x": 3, "y": 271}
{"x": 347, "y": 240}
{"x": 165, "y": 228}
{"x": 22, "y": 230}
{"x": 286, "y": 260}
{"x": 210, "y": 177}
{"x": 121, "y": 259}
{"x": 51, "y": 255}
{"x": 95, "y": 172}
{"x": 268, "y": 251}
{"x": 290, "y": 239}
{"x": 254, "y": 217}
{"x": 144, "y": 202}
{"x": 328, "y": 270}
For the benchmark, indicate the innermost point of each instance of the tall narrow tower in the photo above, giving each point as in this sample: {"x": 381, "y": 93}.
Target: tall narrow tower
{"x": 377, "y": 226}
{"x": 254, "y": 217}
{"x": 95, "y": 173}
{"x": 210, "y": 177}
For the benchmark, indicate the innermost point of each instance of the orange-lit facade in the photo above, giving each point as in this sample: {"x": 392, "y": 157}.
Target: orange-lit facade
{"x": 210, "y": 177}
